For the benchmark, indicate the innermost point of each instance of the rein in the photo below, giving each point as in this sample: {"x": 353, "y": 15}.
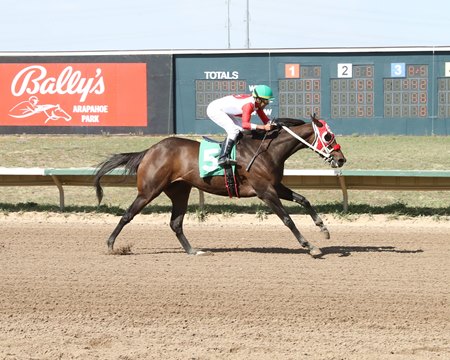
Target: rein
{"x": 256, "y": 154}
{"x": 327, "y": 156}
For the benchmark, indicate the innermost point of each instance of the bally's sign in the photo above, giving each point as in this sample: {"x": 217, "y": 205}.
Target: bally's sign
{"x": 110, "y": 94}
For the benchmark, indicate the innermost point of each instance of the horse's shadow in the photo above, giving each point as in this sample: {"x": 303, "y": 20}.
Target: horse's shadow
{"x": 342, "y": 251}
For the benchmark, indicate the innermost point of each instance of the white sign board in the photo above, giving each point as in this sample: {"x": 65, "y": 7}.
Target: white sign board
{"x": 447, "y": 69}
{"x": 344, "y": 70}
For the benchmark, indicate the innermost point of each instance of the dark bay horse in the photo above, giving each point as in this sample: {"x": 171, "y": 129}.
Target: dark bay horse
{"x": 171, "y": 166}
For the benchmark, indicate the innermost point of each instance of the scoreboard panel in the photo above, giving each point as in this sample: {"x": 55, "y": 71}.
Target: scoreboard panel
{"x": 407, "y": 97}
{"x": 353, "y": 97}
{"x": 372, "y": 92}
{"x": 209, "y": 90}
{"x": 443, "y": 98}
{"x": 300, "y": 97}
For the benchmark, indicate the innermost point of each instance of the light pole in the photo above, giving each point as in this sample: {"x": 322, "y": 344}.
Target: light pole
{"x": 248, "y": 25}
{"x": 228, "y": 23}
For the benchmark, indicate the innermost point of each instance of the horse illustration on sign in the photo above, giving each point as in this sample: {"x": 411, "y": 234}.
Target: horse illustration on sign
{"x": 31, "y": 107}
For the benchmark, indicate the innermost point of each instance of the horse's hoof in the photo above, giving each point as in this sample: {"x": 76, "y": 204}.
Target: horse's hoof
{"x": 315, "y": 252}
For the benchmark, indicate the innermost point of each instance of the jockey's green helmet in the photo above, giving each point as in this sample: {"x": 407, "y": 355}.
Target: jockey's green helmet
{"x": 263, "y": 92}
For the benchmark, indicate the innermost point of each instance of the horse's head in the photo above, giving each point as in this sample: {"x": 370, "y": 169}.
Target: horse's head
{"x": 325, "y": 143}
{"x": 318, "y": 137}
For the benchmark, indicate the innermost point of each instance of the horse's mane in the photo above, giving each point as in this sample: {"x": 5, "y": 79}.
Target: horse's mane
{"x": 288, "y": 122}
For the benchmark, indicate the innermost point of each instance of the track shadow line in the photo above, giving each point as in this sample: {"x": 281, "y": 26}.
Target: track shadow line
{"x": 348, "y": 250}
{"x": 327, "y": 250}
{"x": 258, "y": 250}
{"x": 342, "y": 251}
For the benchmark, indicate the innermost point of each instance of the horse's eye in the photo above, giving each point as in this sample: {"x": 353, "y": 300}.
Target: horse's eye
{"x": 327, "y": 137}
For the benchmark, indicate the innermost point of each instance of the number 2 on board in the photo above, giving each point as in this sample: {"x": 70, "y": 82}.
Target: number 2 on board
{"x": 344, "y": 70}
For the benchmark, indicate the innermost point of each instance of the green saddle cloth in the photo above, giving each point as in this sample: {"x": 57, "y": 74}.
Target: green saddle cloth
{"x": 208, "y": 159}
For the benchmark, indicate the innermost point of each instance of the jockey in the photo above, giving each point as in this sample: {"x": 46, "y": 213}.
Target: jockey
{"x": 223, "y": 112}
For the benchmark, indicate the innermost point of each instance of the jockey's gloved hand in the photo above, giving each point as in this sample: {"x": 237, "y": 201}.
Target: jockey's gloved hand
{"x": 274, "y": 123}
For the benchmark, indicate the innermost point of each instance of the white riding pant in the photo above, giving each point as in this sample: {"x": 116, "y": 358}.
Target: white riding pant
{"x": 229, "y": 123}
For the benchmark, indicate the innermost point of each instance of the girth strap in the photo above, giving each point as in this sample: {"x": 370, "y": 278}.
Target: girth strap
{"x": 230, "y": 182}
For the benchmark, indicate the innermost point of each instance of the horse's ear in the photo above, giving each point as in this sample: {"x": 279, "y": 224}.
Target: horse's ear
{"x": 315, "y": 120}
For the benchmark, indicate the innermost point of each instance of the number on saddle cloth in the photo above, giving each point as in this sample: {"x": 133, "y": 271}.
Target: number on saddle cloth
{"x": 208, "y": 158}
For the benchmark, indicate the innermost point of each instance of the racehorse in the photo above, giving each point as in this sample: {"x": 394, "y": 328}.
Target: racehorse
{"x": 172, "y": 166}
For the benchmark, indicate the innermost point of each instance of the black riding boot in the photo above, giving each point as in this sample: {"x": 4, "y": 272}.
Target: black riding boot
{"x": 224, "y": 157}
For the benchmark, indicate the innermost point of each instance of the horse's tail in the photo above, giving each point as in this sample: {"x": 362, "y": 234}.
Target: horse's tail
{"x": 130, "y": 161}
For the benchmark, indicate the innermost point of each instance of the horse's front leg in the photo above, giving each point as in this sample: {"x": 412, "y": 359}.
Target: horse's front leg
{"x": 271, "y": 198}
{"x": 287, "y": 194}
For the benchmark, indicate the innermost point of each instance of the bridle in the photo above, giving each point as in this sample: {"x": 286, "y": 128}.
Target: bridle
{"x": 324, "y": 138}
{"x": 320, "y": 145}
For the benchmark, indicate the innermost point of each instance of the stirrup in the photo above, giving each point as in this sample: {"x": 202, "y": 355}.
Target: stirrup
{"x": 226, "y": 162}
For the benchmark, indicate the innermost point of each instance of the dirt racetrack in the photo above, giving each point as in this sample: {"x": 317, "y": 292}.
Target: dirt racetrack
{"x": 381, "y": 290}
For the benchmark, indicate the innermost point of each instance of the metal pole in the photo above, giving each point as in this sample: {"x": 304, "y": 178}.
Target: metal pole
{"x": 228, "y": 23}
{"x": 248, "y": 25}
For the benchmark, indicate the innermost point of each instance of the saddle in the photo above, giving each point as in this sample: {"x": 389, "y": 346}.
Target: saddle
{"x": 207, "y": 164}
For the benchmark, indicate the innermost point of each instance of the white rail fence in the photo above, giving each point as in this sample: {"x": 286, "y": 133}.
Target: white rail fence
{"x": 343, "y": 180}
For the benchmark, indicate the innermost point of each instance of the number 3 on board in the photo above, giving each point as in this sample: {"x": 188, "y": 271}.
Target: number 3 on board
{"x": 344, "y": 70}
{"x": 397, "y": 69}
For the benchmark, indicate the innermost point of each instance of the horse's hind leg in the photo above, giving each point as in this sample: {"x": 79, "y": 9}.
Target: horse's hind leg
{"x": 135, "y": 208}
{"x": 287, "y": 194}
{"x": 178, "y": 193}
